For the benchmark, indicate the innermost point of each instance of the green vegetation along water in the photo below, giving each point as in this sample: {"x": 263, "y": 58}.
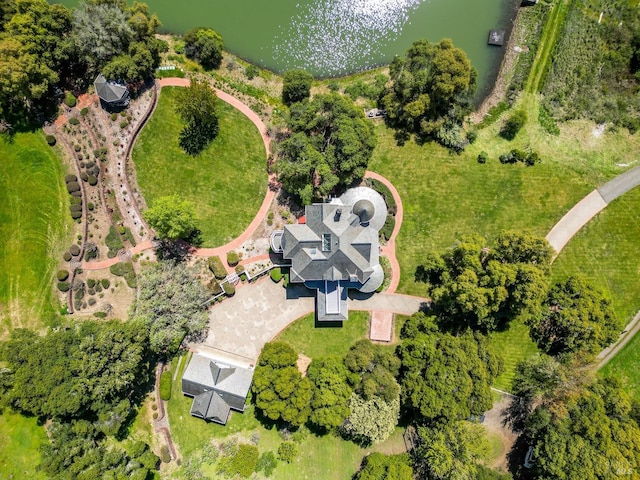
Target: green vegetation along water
{"x": 337, "y": 37}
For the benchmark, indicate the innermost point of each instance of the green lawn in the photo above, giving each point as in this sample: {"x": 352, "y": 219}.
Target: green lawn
{"x": 513, "y": 345}
{"x": 606, "y": 252}
{"x": 20, "y": 440}
{"x": 314, "y": 341}
{"x": 227, "y": 182}
{"x": 34, "y": 225}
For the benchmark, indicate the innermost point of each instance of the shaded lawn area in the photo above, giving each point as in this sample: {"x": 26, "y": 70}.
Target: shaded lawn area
{"x": 312, "y": 341}
{"x": 226, "y": 182}
{"x": 324, "y": 457}
{"x": 34, "y": 226}
{"x": 606, "y": 252}
{"x": 20, "y": 440}
{"x": 514, "y": 345}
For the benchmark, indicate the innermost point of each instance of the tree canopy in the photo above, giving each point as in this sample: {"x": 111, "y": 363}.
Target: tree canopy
{"x": 444, "y": 377}
{"x": 171, "y": 302}
{"x": 296, "y": 86}
{"x": 578, "y": 320}
{"x": 371, "y": 421}
{"x": 329, "y": 146}
{"x": 474, "y": 286}
{"x": 373, "y": 369}
{"x": 432, "y": 88}
{"x": 172, "y": 218}
{"x": 204, "y": 45}
{"x": 331, "y": 392}
{"x": 378, "y": 466}
{"x": 280, "y": 391}
{"x": 196, "y": 105}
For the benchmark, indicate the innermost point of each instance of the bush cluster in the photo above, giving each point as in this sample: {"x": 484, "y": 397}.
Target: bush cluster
{"x": 62, "y": 275}
{"x": 229, "y": 289}
{"x": 287, "y": 451}
{"x": 64, "y": 286}
{"x": 233, "y": 258}
{"x": 513, "y": 125}
{"x": 51, "y": 140}
{"x": 387, "y": 228}
{"x": 70, "y": 100}
{"x": 216, "y": 267}
{"x": 515, "y": 156}
{"x": 74, "y": 121}
{"x": 113, "y": 242}
{"x": 383, "y": 190}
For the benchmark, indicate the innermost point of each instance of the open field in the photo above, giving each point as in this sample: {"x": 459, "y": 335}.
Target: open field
{"x": 227, "y": 182}
{"x": 20, "y": 440}
{"x": 34, "y": 225}
{"x": 321, "y": 457}
{"x": 625, "y": 365}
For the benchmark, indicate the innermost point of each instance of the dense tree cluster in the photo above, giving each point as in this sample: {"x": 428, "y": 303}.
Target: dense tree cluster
{"x": 329, "y": 146}
{"x": 280, "y": 391}
{"x": 579, "y": 428}
{"x": 204, "y": 45}
{"x": 331, "y": 392}
{"x": 485, "y": 288}
{"x": 577, "y": 320}
{"x": 371, "y": 421}
{"x": 44, "y": 48}
{"x": 171, "y": 302}
{"x": 196, "y": 106}
{"x": 444, "y": 377}
{"x": 377, "y": 466}
{"x": 296, "y": 86}
{"x": 431, "y": 92}
{"x": 85, "y": 379}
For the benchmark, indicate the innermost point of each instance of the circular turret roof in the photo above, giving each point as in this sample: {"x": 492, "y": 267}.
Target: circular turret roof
{"x": 364, "y": 209}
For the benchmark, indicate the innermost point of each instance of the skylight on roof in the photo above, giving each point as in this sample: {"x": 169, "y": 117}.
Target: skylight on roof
{"x": 326, "y": 242}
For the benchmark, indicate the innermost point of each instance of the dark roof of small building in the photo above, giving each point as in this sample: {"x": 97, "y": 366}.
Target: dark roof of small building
{"x": 496, "y": 37}
{"x": 211, "y": 407}
{"x": 110, "y": 92}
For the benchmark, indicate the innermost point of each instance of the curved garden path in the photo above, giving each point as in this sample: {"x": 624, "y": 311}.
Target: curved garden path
{"x": 578, "y": 217}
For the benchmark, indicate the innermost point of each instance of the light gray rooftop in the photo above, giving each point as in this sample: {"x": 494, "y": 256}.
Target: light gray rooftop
{"x": 223, "y": 377}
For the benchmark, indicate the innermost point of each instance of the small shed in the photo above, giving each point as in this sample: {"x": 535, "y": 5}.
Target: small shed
{"x": 113, "y": 94}
{"x": 496, "y": 37}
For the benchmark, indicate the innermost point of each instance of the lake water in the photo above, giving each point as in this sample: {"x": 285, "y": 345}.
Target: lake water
{"x": 336, "y": 37}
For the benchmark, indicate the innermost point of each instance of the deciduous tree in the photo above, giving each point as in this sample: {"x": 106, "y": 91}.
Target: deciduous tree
{"x": 296, "y": 86}
{"x": 371, "y": 421}
{"x": 204, "y": 45}
{"x": 378, "y": 466}
{"x": 172, "y": 218}
{"x": 331, "y": 392}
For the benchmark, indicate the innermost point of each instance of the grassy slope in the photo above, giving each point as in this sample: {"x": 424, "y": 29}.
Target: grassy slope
{"x": 227, "y": 182}
{"x": 34, "y": 223}
{"x": 606, "y": 252}
{"x": 20, "y": 439}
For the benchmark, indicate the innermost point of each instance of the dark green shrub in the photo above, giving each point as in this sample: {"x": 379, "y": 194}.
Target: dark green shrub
{"x": 383, "y": 190}
{"x": 165, "y": 385}
{"x": 251, "y": 72}
{"x": 287, "y": 451}
{"x": 84, "y": 176}
{"x": 532, "y": 159}
{"x": 130, "y": 278}
{"x": 165, "y": 455}
{"x": 105, "y": 283}
{"x": 217, "y": 268}
{"x": 100, "y": 314}
{"x": 94, "y": 171}
{"x": 91, "y": 283}
{"x": 267, "y": 463}
{"x": 76, "y": 214}
{"x": 51, "y": 140}
{"x": 239, "y": 269}
{"x": 77, "y": 148}
{"x": 113, "y": 242}
{"x": 387, "y": 228}
{"x": 120, "y": 269}
{"x": 214, "y": 287}
{"x": 62, "y": 275}
{"x": 75, "y": 201}
{"x": 64, "y": 286}
{"x": 84, "y": 111}
{"x": 92, "y": 180}
{"x": 90, "y": 251}
{"x": 472, "y": 136}
{"x": 70, "y": 178}
{"x": 74, "y": 250}
{"x": 229, "y": 289}
{"x": 70, "y": 100}
{"x": 98, "y": 287}
{"x": 91, "y": 291}
{"x": 75, "y": 208}
{"x": 233, "y": 258}
{"x": 114, "y": 117}
{"x": 73, "y": 187}
{"x": 91, "y": 301}
{"x": 276, "y": 274}
{"x": 285, "y": 281}
{"x": 124, "y": 124}
{"x": 74, "y": 121}
{"x": 482, "y": 157}
{"x": 513, "y": 125}
{"x": 66, "y": 256}
{"x": 77, "y": 193}
{"x": 90, "y": 206}
{"x": 127, "y": 235}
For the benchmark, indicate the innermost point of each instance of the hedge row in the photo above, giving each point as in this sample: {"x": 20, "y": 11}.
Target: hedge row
{"x": 217, "y": 268}
{"x": 383, "y": 190}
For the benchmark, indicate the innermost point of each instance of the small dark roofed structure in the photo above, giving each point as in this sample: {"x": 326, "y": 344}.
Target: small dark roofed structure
{"x": 113, "y": 94}
{"x": 216, "y": 388}
{"x": 496, "y": 37}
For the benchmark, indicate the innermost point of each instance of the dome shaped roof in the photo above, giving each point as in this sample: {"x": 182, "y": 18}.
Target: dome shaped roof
{"x": 364, "y": 209}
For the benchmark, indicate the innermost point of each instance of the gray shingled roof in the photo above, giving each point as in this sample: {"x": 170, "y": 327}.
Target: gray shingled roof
{"x": 110, "y": 92}
{"x": 211, "y": 407}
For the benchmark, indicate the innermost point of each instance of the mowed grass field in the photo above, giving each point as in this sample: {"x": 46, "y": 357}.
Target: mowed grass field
{"x": 606, "y": 252}
{"x": 226, "y": 182}
{"x": 20, "y": 440}
{"x": 34, "y": 226}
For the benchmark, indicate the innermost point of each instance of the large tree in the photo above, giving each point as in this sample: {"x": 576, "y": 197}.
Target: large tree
{"x": 296, "y": 86}
{"x": 373, "y": 368}
{"x": 377, "y": 466}
{"x": 432, "y": 87}
{"x": 484, "y": 288}
{"x": 196, "y": 105}
{"x": 330, "y": 145}
{"x": 371, "y": 421}
{"x": 172, "y": 218}
{"x": 578, "y": 320}
{"x": 204, "y": 45}
{"x": 280, "y": 391}
{"x": 331, "y": 392}
{"x": 444, "y": 377}
{"x": 171, "y": 302}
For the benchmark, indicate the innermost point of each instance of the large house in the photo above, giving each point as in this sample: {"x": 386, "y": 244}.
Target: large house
{"x": 336, "y": 248}
{"x": 216, "y": 388}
